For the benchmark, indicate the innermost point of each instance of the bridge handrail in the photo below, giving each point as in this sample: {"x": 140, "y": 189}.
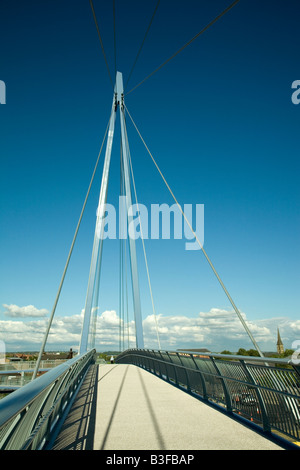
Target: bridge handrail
{"x": 262, "y": 392}
{"x": 29, "y": 414}
{"x": 18, "y": 367}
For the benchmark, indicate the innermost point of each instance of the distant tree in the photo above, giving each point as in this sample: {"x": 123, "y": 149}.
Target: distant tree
{"x": 252, "y": 352}
{"x": 242, "y": 352}
{"x": 247, "y": 352}
{"x": 287, "y": 353}
{"x": 104, "y": 356}
{"x": 226, "y": 352}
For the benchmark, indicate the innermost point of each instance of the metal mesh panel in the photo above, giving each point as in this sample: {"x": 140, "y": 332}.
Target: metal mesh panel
{"x": 27, "y": 415}
{"x": 255, "y": 389}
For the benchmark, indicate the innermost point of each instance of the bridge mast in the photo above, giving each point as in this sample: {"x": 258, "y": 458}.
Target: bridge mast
{"x": 132, "y": 248}
{"x": 118, "y": 102}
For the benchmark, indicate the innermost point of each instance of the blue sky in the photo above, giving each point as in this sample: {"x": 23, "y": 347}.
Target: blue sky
{"x": 219, "y": 121}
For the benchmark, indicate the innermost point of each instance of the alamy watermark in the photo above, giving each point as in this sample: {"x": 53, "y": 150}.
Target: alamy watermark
{"x": 296, "y": 353}
{"x": 2, "y": 92}
{"x": 296, "y": 94}
{"x": 162, "y": 222}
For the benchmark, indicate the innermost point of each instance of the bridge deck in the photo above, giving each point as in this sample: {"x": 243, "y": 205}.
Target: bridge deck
{"x": 122, "y": 407}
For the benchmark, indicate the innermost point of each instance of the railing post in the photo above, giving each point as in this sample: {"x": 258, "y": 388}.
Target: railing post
{"x": 186, "y": 374}
{"x": 157, "y": 364}
{"x": 174, "y": 366}
{"x": 162, "y": 359}
{"x": 264, "y": 414}
{"x": 225, "y": 388}
{"x": 205, "y": 396}
{"x": 153, "y": 363}
{"x": 147, "y": 361}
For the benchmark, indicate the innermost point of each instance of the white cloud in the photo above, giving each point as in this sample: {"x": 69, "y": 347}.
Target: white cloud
{"x": 296, "y": 326}
{"x": 14, "y": 311}
{"x": 216, "y": 330}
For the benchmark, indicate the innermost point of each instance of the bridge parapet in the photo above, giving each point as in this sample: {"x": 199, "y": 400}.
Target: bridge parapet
{"x": 29, "y": 416}
{"x": 264, "y": 393}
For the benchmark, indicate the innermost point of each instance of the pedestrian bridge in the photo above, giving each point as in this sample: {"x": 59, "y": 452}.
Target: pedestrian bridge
{"x": 124, "y": 407}
{"x": 156, "y": 400}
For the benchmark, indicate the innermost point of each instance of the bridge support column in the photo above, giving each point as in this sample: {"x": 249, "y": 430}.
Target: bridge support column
{"x": 98, "y": 237}
{"x": 132, "y": 247}
{"x": 118, "y": 102}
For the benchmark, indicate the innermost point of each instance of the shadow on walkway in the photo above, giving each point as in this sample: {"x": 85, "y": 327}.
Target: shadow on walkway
{"x": 156, "y": 427}
{"x": 114, "y": 407}
{"x": 77, "y": 432}
{"x": 132, "y": 412}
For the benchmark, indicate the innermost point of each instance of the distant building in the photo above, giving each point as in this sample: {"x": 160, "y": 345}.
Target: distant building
{"x": 280, "y": 348}
{"x": 203, "y": 350}
{"x": 194, "y": 351}
{"x": 57, "y": 356}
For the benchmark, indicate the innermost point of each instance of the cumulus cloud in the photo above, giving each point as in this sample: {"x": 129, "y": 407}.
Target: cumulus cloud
{"x": 14, "y": 311}
{"x": 296, "y": 326}
{"x": 217, "y": 329}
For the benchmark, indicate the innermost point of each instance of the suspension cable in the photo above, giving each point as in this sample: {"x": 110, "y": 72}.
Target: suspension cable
{"x": 68, "y": 261}
{"x": 123, "y": 289}
{"x": 101, "y": 42}
{"x": 115, "y": 39}
{"x": 185, "y": 45}
{"x": 121, "y": 245}
{"x": 143, "y": 243}
{"x": 141, "y": 47}
{"x": 126, "y": 292}
{"x": 96, "y": 300}
{"x": 124, "y": 270}
{"x": 199, "y": 243}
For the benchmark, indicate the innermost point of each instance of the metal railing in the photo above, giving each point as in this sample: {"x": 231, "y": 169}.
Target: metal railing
{"x": 263, "y": 393}
{"x": 30, "y": 415}
{"x": 30, "y": 365}
{"x": 14, "y": 375}
{"x": 13, "y": 382}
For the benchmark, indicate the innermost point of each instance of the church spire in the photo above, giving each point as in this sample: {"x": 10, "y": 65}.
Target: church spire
{"x": 280, "y": 348}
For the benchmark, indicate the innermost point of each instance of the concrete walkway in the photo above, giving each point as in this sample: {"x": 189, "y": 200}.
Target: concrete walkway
{"x": 122, "y": 407}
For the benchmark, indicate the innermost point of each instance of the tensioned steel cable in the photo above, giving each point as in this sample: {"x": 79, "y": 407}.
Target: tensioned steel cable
{"x": 96, "y": 301}
{"x": 122, "y": 269}
{"x": 198, "y": 241}
{"x": 126, "y": 293}
{"x": 101, "y": 42}
{"x": 68, "y": 260}
{"x": 120, "y": 261}
{"x": 143, "y": 42}
{"x": 115, "y": 36}
{"x": 185, "y": 45}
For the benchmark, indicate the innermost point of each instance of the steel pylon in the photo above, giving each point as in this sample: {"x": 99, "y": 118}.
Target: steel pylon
{"x": 117, "y": 105}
